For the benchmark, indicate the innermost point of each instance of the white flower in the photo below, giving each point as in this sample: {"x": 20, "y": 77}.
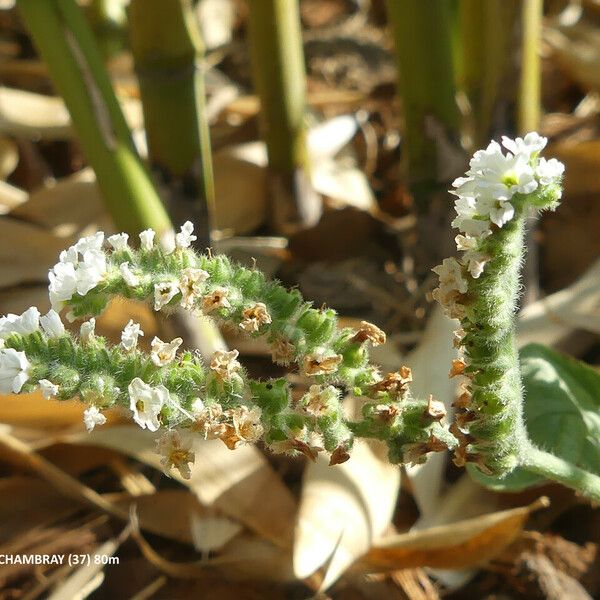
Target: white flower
{"x": 164, "y": 353}
{"x": 130, "y": 335}
{"x": 48, "y": 388}
{"x": 176, "y": 452}
{"x": 475, "y": 262}
{"x": 87, "y": 331}
{"x": 532, "y": 143}
{"x": 191, "y": 284}
{"x": 465, "y": 242}
{"x": 52, "y": 325}
{"x": 225, "y": 364}
{"x": 90, "y": 243}
{"x": 468, "y": 219}
{"x": 92, "y": 417}
{"x": 451, "y": 275}
{"x": 129, "y": 277}
{"x": 14, "y": 370}
{"x": 147, "y": 239}
{"x": 118, "y": 241}
{"x": 502, "y": 213}
{"x": 70, "y": 255}
{"x": 63, "y": 283}
{"x": 23, "y": 324}
{"x": 185, "y": 238}
{"x": 549, "y": 171}
{"x": 91, "y": 271}
{"x": 146, "y": 403}
{"x": 498, "y": 175}
{"x": 164, "y": 292}
{"x": 197, "y": 406}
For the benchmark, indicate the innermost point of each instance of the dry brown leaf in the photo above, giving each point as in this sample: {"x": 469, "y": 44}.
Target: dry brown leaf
{"x": 36, "y": 116}
{"x": 459, "y": 545}
{"x": 342, "y": 510}
{"x": 239, "y": 483}
{"x": 9, "y": 157}
{"x": 11, "y": 197}
{"x": 26, "y": 262}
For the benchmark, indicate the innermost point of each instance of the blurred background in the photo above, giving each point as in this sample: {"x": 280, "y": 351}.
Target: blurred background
{"x": 317, "y": 139}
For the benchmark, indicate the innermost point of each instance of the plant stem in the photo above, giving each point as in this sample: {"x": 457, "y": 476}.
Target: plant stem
{"x": 422, "y": 34}
{"x": 168, "y": 52}
{"x": 557, "y": 469}
{"x": 67, "y": 45}
{"x": 278, "y": 75}
{"x": 530, "y": 84}
{"x": 486, "y": 29}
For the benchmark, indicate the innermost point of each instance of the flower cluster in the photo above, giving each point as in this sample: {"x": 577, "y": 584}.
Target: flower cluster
{"x": 481, "y": 289}
{"x": 170, "y": 390}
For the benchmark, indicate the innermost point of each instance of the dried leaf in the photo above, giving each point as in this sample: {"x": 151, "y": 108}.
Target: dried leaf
{"x": 9, "y": 157}
{"x": 464, "y": 544}
{"x": 239, "y": 483}
{"x": 342, "y": 509}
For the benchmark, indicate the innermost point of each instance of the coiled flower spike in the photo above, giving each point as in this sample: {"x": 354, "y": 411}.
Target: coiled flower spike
{"x": 175, "y": 392}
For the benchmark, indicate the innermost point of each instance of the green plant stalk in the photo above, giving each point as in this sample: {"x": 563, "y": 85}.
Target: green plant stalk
{"x": 486, "y": 29}
{"x": 168, "y": 53}
{"x": 278, "y": 75}
{"x": 66, "y": 44}
{"x": 529, "y": 102}
{"x": 422, "y": 33}
{"x": 556, "y": 469}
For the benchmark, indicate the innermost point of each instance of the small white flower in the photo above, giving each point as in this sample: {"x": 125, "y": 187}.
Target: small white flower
{"x": 451, "y": 275}
{"x": 92, "y": 417}
{"x": 14, "y": 370}
{"x": 147, "y": 239}
{"x": 164, "y": 292}
{"x": 70, "y": 255}
{"x": 198, "y": 406}
{"x": 48, "y": 388}
{"x": 475, "y": 262}
{"x": 465, "y": 242}
{"x": 185, "y": 238}
{"x": 146, "y": 403}
{"x": 91, "y": 271}
{"x": 532, "y": 143}
{"x": 63, "y": 283}
{"x": 118, "y": 241}
{"x": 225, "y": 364}
{"x": 191, "y": 284}
{"x": 23, "y": 324}
{"x": 129, "y": 277}
{"x": 90, "y": 243}
{"x": 176, "y": 452}
{"x": 549, "y": 171}
{"x": 502, "y": 214}
{"x": 87, "y": 331}
{"x": 52, "y": 325}
{"x": 130, "y": 335}
{"x": 164, "y": 353}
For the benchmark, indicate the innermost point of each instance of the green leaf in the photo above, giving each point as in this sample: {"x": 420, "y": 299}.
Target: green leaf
{"x": 562, "y": 413}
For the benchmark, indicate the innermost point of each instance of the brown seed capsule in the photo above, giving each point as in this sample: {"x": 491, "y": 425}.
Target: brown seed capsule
{"x": 434, "y": 444}
{"x": 320, "y": 363}
{"x": 463, "y": 401}
{"x": 458, "y": 367}
{"x": 369, "y": 332}
{"x": 338, "y": 456}
{"x": 396, "y": 382}
{"x": 435, "y": 409}
{"x": 386, "y": 412}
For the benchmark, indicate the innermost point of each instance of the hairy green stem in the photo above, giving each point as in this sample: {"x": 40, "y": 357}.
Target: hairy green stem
{"x": 556, "y": 469}
{"x": 168, "y": 53}
{"x": 67, "y": 45}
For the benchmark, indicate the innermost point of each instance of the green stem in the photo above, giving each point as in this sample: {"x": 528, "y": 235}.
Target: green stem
{"x": 557, "y": 469}
{"x": 67, "y": 45}
{"x": 486, "y": 29}
{"x": 530, "y": 84}
{"x": 278, "y": 75}
{"x": 168, "y": 53}
{"x": 422, "y": 34}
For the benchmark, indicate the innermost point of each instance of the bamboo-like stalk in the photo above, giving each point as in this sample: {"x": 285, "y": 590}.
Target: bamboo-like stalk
{"x": 66, "y": 43}
{"x": 278, "y": 74}
{"x": 168, "y": 51}
{"x": 486, "y": 29}
{"x": 529, "y": 109}
{"x": 422, "y": 33}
